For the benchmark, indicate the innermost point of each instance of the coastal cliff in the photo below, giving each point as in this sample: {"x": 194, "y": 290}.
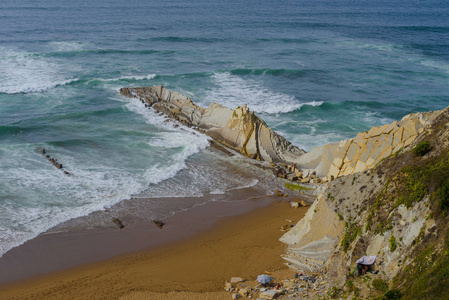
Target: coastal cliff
{"x": 384, "y": 193}
{"x": 392, "y": 202}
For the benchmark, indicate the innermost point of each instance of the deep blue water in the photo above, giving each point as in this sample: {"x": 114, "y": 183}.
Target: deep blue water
{"x": 316, "y": 71}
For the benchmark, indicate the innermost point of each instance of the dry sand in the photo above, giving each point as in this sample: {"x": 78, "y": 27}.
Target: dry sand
{"x": 197, "y": 268}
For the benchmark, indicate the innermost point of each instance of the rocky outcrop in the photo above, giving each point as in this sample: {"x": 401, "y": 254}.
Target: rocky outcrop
{"x": 312, "y": 240}
{"x": 393, "y": 210}
{"x": 367, "y": 149}
{"x": 239, "y": 129}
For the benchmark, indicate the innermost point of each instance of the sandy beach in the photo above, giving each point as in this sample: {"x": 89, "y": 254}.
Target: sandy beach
{"x": 196, "y": 252}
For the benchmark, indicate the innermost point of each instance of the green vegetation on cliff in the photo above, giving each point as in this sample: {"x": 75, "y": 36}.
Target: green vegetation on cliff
{"x": 411, "y": 177}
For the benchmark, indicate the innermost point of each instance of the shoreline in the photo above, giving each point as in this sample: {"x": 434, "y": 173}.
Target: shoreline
{"x": 227, "y": 226}
{"x": 96, "y": 237}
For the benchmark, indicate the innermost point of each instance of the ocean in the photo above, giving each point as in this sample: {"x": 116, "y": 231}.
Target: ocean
{"x": 316, "y": 71}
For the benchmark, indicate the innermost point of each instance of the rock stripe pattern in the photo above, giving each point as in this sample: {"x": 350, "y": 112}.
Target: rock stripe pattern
{"x": 239, "y": 129}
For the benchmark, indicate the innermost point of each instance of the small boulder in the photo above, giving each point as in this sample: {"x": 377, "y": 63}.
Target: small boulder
{"x": 235, "y": 280}
{"x": 305, "y": 180}
{"x": 246, "y": 291}
{"x": 294, "y": 204}
{"x": 228, "y": 287}
{"x": 292, "y": 177}
{"x": 279, "y": 193}
{"x": 43, "y": 151}
{"x": 270, "y": 294}
{"x": 236, "y": 296}
{"x": 159, "y": 223}
{"x": 118, "y": 223}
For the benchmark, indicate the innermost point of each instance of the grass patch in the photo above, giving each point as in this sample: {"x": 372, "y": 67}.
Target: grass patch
{"x": 296, "y": 187}
{"x": 428, "y": 276}
{"x": 380, "y": 285}
{"x": 351, "y": 232}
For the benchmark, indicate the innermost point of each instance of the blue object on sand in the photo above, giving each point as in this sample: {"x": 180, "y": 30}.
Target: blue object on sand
{"x": 263, "y": 279}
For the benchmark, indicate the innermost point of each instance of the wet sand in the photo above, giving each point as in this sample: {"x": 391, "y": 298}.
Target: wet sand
{"x": 196, "y": 252}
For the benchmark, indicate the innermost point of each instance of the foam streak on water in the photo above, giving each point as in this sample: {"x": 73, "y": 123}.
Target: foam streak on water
{"x": 233, "y": 91}
{"x": 23, "y": 72}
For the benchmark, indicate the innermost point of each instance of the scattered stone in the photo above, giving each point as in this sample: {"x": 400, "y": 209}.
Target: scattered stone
{"x": 66, "y": 173}
{"x": 228, "y": 287}
{"x": 279, "y": 193}
{"x": 294, "y": 204}
{"x": 305, "y": 180}
{"x": 292, "y": 177}
{"x": 246, "y": 291}
{"x": 236, "y": 296}
{"x": 43, "y": 151}
{"x": 303, "y": 203}
{"x": 235, "y": 280}
{"x": 118, "y": 223}
{"x": 159, "y": 223}
{"x": 270, "y": 294}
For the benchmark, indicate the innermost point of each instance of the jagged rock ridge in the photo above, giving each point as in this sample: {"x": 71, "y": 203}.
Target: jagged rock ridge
{"x": 239, "y": 129}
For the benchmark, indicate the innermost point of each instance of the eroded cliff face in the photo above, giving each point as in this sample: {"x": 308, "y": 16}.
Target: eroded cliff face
{"x": 239, "y": 129}
{"x": 392, "y": 207}
{"x": 367, "y": 149}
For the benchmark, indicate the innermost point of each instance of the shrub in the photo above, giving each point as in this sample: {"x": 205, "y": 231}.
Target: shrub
{"x": 443, "y": 194}
{"x": 393, "y": 244}
{"x": 334, "y": 292}
{"x": 380, "y": 285}
{"x": 422, "y": 148}
{"x": 351, "y": 232}
{"x": 393, "y": 295}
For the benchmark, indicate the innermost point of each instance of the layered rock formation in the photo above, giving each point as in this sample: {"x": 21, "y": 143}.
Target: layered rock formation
{"x": 367, "y": 149}
{"x": 239, "y": 129}
{"x": 392, "y": 209}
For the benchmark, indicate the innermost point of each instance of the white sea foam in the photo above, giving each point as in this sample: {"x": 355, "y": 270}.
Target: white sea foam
{"x": 39, "y": 200}
{"x": 130, "y": 77}
{"x": 68, "y": 46}
{"x": 233, "y": 91}
{"x": 35, "y": 201}
{"x": 25, "y": 72}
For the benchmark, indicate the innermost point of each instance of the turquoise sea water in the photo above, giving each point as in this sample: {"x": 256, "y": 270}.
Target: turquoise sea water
{"x": 315, "y": 71}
